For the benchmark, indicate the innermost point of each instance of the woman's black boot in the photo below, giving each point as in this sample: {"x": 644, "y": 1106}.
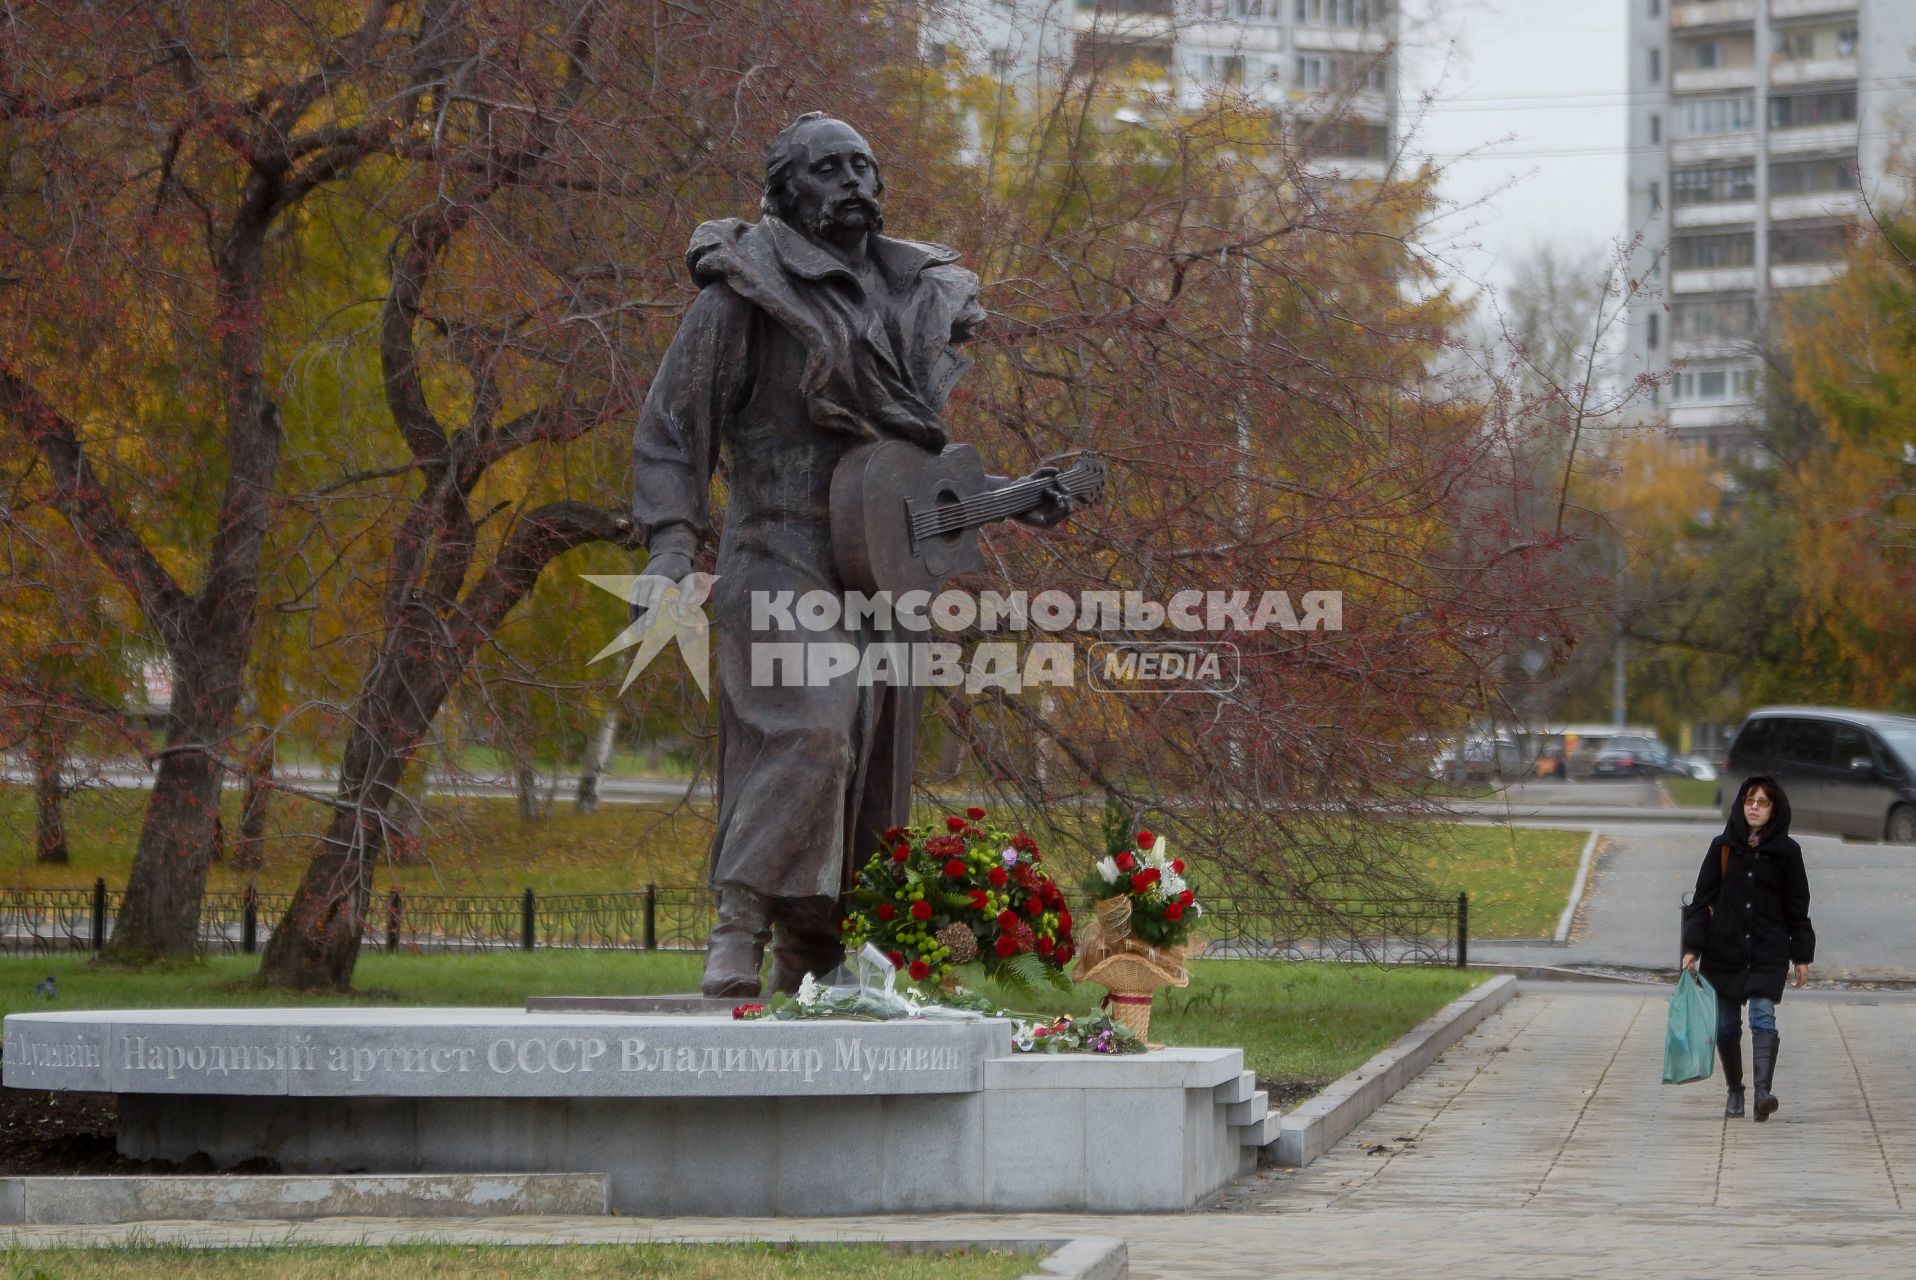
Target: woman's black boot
{"x": 1763, "y": 1058}
{"x": 1731, "y": 1052}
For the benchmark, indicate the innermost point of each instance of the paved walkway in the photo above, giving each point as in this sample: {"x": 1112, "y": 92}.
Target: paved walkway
{"x": 1862, "y": 898}
{"x": 1543, "y": 1144}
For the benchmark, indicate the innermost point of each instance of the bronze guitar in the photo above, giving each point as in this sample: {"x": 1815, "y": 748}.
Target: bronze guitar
{"x": 907, "y": 520}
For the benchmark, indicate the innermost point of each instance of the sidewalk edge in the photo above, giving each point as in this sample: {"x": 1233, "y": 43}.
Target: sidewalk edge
{"x": 1313, "y": 1128}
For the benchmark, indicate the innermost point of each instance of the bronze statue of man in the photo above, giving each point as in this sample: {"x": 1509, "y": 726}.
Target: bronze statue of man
{"x": 812, "y": 334}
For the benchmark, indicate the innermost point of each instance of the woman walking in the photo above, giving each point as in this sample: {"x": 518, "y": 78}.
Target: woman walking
{"x": 1749, "y": 924}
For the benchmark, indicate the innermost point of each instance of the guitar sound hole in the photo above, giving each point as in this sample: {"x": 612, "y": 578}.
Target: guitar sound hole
{"x": 944, "y": 501}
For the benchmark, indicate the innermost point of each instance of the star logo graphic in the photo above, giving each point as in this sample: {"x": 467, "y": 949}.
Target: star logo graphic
{"x": 676, "y": 613}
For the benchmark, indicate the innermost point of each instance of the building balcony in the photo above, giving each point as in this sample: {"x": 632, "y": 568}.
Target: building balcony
{"x": 1714, "y": 79}
{"x": 1818, "y": 204}
{"x": 1808, "y": 8}
{"x": 1709, "y": 417}
{"x": 1719, "y": 280}
{"x": 1232, "y": 37}
{"x": 1340, "y": 39}
{"x": 1134, "y": 27}
{"x": 1804, "y": 275}
{"x": 1788, "y": 71}
{"x": 1840, "y": 136}
{"x": 1715, "y": 146}
{"x": 1714, "y": 215}
{"x": 1710, "y": 13}
{"x": 1715, "y": 349}
{"x": 1348, "y": 168}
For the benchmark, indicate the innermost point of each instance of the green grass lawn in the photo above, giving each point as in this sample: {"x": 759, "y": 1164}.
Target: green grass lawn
{"x": 1691, "y": 793}
{"x": 1302, "y": 1022}
{"x": 544, "y": 1262}
{"x": 1518, "y": 879}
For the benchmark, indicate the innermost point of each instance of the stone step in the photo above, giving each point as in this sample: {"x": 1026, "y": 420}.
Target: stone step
{"x": 1238, "y": 1090}
{"x": 1249, "y": 1111}
{"x": 1262, "y": 1133}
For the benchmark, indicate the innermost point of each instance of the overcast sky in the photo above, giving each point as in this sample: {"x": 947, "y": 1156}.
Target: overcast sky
{"x": 1528, "y": 113}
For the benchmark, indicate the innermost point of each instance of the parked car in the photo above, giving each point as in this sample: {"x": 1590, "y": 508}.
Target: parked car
{"x": 1478, "y": 759}
{"x": 1630, "y": 756}
{"x": 1846, "y": 772}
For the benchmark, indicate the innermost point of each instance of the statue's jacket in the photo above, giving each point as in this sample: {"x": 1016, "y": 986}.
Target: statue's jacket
{"x": 783, "y": 364}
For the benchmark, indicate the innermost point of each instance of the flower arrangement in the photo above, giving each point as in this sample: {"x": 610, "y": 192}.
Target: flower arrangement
{"x": 940, "y": 895}
{"x": 1158, "y": 903}
{"x": 1030, "y": 1032}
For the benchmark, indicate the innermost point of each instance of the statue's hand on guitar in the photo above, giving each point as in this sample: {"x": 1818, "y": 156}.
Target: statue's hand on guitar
{"x": 1054, "y": 508}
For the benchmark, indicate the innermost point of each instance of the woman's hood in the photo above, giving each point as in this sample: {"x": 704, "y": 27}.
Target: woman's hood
{"x": 1738, "y": 829}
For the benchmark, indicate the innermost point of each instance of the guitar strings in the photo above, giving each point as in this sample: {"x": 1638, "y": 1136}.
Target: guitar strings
{"x": 998, "y": 504}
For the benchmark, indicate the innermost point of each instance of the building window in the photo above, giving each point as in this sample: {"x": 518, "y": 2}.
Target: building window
{"x": 1717, "y": 252}
{"x": 1656, "y": 64}
{"x": 1846, "y": 43}
{"x": 1802, "y": 110}
{"x": 1811, "y": 177}
{"x": 1713, "y": 320}
{"x": 1341, "y": 13}
{"x": 1656, "y": 8}
{"x": 1656, "y": 128}
{"x": 1651, "y": 337}
{"x": 1702, "y": 117}
{"x": 1713, "y": 184}
{"x": 1712, "y": 386}
{"x": 1656, "y": 196}
{"x": 1706, "y": 55}
{"x": 1793, "y": 245}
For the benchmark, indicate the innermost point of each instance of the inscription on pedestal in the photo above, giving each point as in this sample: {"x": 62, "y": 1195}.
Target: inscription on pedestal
{"x": 380, "y": 1055}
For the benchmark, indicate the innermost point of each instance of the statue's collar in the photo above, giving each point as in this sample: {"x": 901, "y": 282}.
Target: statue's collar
{"x": 901, "y": 261}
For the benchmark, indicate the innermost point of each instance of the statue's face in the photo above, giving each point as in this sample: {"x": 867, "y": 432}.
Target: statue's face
{"x": 834, "y": 183}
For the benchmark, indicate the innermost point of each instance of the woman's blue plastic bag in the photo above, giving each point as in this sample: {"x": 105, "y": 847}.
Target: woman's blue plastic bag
{"x": 1689, "y": 1046}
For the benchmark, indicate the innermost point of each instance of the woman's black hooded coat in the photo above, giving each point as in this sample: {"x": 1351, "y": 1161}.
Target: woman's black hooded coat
{"x": 1751, "y": 924}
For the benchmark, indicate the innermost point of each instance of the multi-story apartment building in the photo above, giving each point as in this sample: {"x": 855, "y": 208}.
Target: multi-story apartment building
{"x": 1329, "y": 65}
{"x": 1757, "y": 128}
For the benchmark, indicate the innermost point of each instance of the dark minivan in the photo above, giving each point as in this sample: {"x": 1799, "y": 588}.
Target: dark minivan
{"x": 1852, "y": 773}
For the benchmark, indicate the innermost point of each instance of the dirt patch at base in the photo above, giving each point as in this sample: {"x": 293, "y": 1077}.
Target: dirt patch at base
{"x": 45, "y": 1133}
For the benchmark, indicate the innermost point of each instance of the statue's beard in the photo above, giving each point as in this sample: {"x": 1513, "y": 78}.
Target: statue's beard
{"x": 827, "y": 221}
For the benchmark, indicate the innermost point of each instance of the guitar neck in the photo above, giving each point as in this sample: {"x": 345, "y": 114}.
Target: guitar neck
{"x": 1001, "y": 504}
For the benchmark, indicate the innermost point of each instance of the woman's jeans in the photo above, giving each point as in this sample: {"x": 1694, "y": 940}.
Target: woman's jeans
{"x": 1729, "y": 1017}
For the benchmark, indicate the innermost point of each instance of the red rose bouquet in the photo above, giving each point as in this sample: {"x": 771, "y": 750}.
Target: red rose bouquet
{"x": 1151, "y": 900}
{"x": 944, "y": 894}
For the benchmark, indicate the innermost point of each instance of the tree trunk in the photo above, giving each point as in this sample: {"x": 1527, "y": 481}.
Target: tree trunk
{"x": 250, "y": 851}
{"x": 49, "y": 792}
{"x": 597, "y": 753}
{"x": 316, "y": 943}
{"x": 525, "y": 785}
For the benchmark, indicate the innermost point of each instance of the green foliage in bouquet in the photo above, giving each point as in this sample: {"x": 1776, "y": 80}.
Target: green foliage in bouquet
{"x": 945, "y": 894}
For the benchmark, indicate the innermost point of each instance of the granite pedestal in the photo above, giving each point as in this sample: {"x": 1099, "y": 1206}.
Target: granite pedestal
{"x": 683, "y": 1114}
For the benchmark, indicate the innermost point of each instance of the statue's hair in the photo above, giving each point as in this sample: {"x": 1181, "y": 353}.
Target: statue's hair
{"x": 783, "y": 154}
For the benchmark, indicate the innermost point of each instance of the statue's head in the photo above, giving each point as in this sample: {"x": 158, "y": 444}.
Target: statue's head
{"x": 822, "y": 179}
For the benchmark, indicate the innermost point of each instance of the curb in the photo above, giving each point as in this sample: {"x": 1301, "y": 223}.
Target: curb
{"x": 120, "y": 1198}
{"x": 1576, "y": 890}
{"x": 1317, "y": 1125}
{"x": 1086, "y": 1258}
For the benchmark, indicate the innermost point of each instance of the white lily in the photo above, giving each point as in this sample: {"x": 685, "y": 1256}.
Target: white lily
{"x": 1108, "y": 868}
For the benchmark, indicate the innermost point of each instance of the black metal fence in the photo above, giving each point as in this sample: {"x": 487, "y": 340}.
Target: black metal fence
{"x": 679, "y": 917}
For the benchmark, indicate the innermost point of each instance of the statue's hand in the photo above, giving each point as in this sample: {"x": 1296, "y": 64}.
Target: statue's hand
{"x": 1055, "y": 505}
{"x": 661, "y": 571}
